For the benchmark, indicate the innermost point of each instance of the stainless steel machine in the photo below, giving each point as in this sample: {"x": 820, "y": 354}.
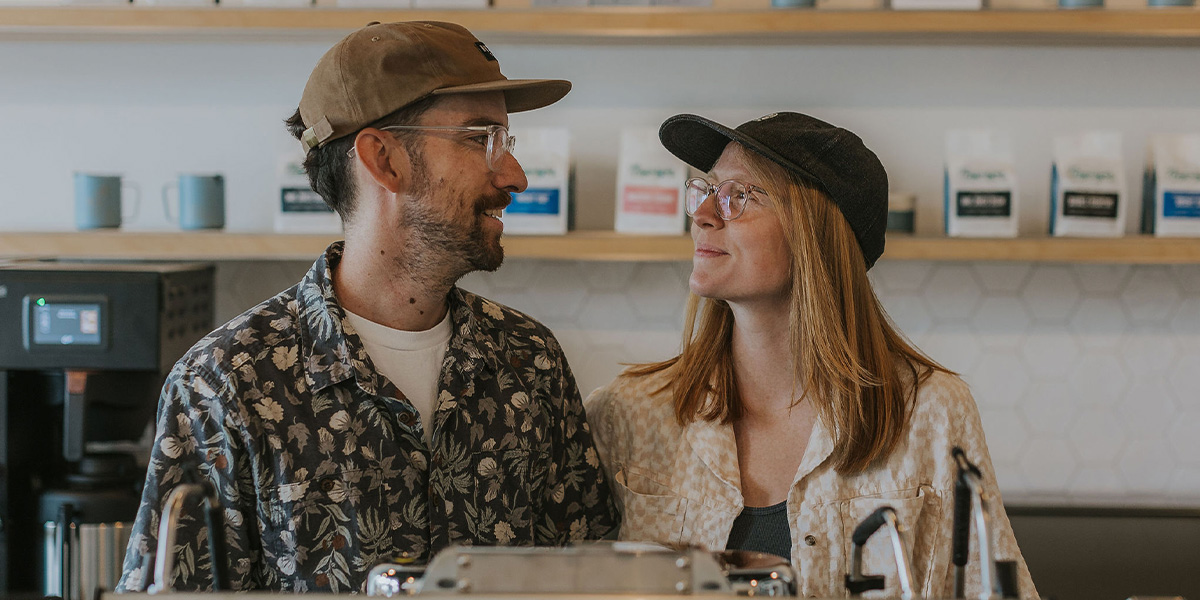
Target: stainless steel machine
{"x": 84, "y": 350}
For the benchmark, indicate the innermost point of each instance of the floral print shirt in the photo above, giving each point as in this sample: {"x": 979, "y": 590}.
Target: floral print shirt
{"x": 320, "y": 462}
{"x": 682, "y": 485}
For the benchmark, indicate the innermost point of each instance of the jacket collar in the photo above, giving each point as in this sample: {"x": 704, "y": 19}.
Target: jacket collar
{"x": 715, "y": 445}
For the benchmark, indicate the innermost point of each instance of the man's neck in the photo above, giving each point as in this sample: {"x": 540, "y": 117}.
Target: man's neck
{"x": 372, "y": 281}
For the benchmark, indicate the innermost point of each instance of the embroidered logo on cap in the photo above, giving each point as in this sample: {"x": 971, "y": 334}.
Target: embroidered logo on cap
{"x": 484, "y": 49}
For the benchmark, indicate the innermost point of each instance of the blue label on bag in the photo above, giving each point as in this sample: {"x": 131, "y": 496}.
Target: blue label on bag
{"x": 1185, "y": 205}
{"x": 542, "y": 201}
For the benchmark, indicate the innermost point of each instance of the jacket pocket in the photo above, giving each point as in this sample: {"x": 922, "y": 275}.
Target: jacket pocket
{"x": 918, "y": 519}
{"x": 649, "y": 512}
{"x": 317, "y": 531}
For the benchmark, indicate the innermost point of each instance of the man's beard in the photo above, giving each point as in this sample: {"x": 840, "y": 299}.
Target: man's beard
{"x": 441, "y": 249}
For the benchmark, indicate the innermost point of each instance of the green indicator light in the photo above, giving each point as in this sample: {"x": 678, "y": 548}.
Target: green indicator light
{"x": 41, "y": 302}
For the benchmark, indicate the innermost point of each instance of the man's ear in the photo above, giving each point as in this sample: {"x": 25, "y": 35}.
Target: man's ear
{"x": 386, "y": 161}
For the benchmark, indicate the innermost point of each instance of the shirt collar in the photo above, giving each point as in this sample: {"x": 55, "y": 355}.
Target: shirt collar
{"x": 328, "y": 355}
{"x": 473, "y": 320}
{"x": 332, "y": 351}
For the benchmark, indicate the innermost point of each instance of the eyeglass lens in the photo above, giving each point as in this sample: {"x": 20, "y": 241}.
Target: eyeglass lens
{"x": 500, "y": 144}
{"x": 730, "y": 197}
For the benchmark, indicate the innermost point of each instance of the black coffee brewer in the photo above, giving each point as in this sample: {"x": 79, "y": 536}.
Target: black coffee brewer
{"x": 84, "y": 350}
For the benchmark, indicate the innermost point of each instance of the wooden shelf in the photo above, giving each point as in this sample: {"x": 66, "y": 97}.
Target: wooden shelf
{"x": 1173, "y": 25}
{"x": 216, "y": 246}
{"x": 584, "y": 245}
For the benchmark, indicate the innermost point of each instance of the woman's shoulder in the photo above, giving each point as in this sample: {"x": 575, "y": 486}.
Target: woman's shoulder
{"x": 944, "y": 412}
{"x": 941, "y": 405}
{"x": 633, "y": 397}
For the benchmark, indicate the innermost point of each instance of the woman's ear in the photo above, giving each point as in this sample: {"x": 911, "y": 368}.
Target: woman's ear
{"x": 386, "y": 161}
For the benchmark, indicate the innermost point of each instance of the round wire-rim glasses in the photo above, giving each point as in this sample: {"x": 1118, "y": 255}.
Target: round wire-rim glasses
{"x": 499, "y": 142}
{"x": 731, "y": 196}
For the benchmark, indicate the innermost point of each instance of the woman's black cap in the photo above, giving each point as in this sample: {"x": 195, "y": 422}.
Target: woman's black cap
{"x": 831, "y": 158}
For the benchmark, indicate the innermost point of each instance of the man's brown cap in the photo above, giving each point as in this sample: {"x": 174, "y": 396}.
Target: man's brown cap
{"x": 382, "y": 68}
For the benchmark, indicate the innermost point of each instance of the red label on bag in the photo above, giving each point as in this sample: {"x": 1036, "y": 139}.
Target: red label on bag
{"x": 647, "y": 200}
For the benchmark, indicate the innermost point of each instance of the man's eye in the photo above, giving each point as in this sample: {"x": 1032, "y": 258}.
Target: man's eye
{"x": 479, "y": 139}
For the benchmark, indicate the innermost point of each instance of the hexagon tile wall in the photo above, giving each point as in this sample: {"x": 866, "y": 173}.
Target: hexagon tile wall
{"x": 1085, "y": 375}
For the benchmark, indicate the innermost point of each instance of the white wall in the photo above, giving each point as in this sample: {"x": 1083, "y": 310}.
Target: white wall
{"x": 1084, "y": 374}
{"x": 153, "y": 109}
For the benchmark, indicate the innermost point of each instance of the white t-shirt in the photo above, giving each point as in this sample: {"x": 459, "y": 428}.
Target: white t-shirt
{"x": 412, "y": 360}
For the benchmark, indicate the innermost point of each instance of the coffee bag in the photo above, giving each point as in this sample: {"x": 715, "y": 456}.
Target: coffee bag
{"x": 649, "y": 185}
{"x": 544, "y": 207}
{"x": 1087, "y": 186}
{"x": 299, "y": 209}
{"x": 1171, "y": 189}
{"x": 980, "y": 197}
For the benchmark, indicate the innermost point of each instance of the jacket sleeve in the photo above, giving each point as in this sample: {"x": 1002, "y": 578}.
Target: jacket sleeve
{"x": 970, "y": 437}
{"x": 193, "y": 440}
{"x": 580, "y": 505}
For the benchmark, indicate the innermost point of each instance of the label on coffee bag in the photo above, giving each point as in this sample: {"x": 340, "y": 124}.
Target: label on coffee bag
{"x": 984, "y": 204}
{"x": 1172, "y": 194}
{"x": 649, "y": 185}
{"x": 1087, "y": 186}
{"x": 544, "y": 207}
{"x": 980, "y": 184}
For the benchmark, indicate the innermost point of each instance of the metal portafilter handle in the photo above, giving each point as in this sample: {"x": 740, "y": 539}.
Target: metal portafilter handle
{"x": 971, "y": 504}
{"x": 215, "y": 523}
{"x": 856, "y": 581}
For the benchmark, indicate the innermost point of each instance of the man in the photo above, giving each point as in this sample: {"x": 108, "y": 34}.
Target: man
{"x": 375, "y": 410}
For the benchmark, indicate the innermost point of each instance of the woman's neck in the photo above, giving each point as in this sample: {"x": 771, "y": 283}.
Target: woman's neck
{"x": 763, "y": 357}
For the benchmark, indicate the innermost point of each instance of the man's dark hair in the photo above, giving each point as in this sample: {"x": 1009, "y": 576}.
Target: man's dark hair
{"x": 329, "y": 168}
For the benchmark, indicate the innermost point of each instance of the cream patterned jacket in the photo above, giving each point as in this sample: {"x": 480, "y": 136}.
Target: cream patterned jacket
{"x": 682, "y": 485}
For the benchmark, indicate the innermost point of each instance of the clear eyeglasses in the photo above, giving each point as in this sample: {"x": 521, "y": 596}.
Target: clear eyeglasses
{"x": 731, "y": 196}
{"x": 498, "y": 143}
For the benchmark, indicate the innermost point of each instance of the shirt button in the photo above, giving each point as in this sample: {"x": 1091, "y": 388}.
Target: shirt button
{"x": 810, "y": 540}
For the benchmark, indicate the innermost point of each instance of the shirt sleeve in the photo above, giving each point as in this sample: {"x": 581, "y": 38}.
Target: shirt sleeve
{"x": 970, "y": 438}
{"x": 193, "y": 439}
{"x": 580, "y": 505}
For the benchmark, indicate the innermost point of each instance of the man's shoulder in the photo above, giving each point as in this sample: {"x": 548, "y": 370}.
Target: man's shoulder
{"x": 503, "y": 322}
{"x": 257, "y": 332}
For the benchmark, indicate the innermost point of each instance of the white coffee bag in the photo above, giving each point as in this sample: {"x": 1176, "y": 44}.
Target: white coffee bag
{"x": 980, "y": 194}
{"x": 649, "y": 185}
{"x": 544, "y": 207}
{"x": 1087, "y": 186}
{"x": 298, "y": 208}
{"x": 1171, "y": 190}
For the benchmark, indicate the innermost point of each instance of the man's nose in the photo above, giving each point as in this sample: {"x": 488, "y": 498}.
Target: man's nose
{"x": 510, "y": 176}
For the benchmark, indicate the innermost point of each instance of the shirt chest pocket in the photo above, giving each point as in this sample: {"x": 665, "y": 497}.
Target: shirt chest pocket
{"x": 318, "y": 525}
{"x": 649, "y": 511}
{"x": 509, "y": 486}
{"x": 917, "y": 513}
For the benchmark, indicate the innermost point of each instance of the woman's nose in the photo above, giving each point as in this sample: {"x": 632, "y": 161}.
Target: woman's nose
{"x": 706, "y": 214}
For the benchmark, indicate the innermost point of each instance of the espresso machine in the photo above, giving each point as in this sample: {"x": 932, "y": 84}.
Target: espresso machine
{"x": 84, "y": 350}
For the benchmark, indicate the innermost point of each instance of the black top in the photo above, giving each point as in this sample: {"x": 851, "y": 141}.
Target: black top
{"x": 762, "y": 529}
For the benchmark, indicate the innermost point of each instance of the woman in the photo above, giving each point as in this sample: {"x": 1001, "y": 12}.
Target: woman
{"x": 795, "y": 408}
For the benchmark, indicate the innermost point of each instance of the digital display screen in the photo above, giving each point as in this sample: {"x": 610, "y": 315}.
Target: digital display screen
{"x": 67, "y": 324}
